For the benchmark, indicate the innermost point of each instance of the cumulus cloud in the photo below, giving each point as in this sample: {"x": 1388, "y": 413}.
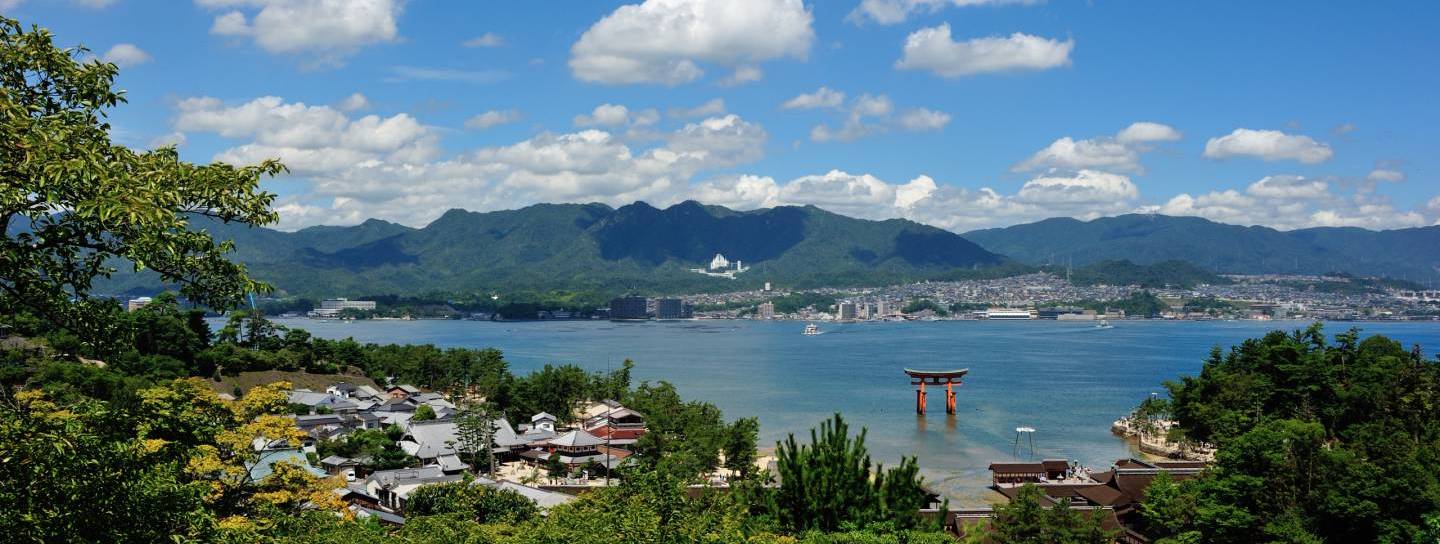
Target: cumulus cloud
{"x": 355, "y": 102}
{"x": 714, "y": 106}
{"x": 320, "y": 32}
{"x": 1291, "y": 202}
{"x": 866, "y": 115}
{"x": 1269, "y": 145}
{"x": 308, "y": 139}
{"x": 1145, "y": 132}
{"x": 666, "y": 41}
{"x": 824, "y": 97}
{"x": 889, "y": 12}
{"x": 488, "y": 39}
{"x": 352, "y": 168}
{"x": 1385, "y": 175}
{"x": 125, "y": 55}
{"x": 742, "y": 75}
{"x": 921, "y": 119}
{"x": 1088, "y": 194}
{"x": 492, "y": 118}
{"x": 604, "y": 115}
{"x": 1120, "y": 153}
{"x": 934, "y": 50}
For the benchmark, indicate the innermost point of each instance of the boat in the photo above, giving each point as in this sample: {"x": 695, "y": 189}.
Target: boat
{"x": 1104, "y": 324}
{"x": 811, "y": 330}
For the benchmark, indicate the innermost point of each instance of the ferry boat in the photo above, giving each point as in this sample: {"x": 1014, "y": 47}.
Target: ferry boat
{"x": 811, "y": 330}
{"x": 1104, "y": 324}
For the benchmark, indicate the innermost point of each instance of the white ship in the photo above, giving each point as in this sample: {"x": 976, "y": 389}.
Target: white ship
{"x": 811, "y": 330}
{"x": 1009, "y": 313}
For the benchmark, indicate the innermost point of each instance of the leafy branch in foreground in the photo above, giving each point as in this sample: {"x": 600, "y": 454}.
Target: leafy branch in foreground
{"x": 72, "y": 203}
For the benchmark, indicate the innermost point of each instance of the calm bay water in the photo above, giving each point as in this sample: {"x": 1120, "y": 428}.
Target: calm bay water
{"x": 1067, "y": 380}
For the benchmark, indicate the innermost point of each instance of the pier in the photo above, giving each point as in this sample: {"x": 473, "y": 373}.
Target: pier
{"x": 949, "y": 378}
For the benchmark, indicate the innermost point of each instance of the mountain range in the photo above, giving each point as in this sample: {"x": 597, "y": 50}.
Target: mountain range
{"x": 1412, "y": 253}
{"x": 595, "y": 248}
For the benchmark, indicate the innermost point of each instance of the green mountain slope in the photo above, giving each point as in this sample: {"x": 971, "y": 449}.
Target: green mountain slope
{"x": 1145, "y": 239}
{"x": 595, "y": 248}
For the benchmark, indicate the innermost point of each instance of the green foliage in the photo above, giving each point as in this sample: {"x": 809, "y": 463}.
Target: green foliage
{"x": 475, "y": 502}
{"x": 1317, "y": 442}
{"x": 918, "y": 305}
{"x": 377, "y": 447}
{"x": 423, "y": 413}
{"x": 794, "y": 302}
{"x": 830, "y": 483}
{"x": 73, "y": 203}
{"x": 682, "y": 438}
{"x": 739, "y": 446}
{"x": 1026, "y": 520}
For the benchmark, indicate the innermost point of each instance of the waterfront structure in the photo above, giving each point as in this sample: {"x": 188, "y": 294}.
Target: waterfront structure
{"x": 766, "y": 310}
{"x": 332, "y": 307}
{"x": 672, "y": 308}
{"x": 629, "y": 308}
{"x": 948, "y": 378}
{"x": 846, "y": 311}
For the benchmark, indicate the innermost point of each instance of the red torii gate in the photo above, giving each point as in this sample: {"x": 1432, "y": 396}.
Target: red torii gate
{"x": 950, "y": 378}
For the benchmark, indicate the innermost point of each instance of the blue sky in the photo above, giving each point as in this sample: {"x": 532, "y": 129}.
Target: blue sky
{"x": 954, "y": 112}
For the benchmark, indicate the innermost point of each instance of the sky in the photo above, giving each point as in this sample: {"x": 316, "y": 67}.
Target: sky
{"x": 963, "y": 114}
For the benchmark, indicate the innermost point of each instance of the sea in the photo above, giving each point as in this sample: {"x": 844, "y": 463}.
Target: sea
{"x": 1067, "y": 380}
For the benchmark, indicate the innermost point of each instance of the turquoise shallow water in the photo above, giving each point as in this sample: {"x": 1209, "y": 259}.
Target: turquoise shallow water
{"x": 1067, "y": 380}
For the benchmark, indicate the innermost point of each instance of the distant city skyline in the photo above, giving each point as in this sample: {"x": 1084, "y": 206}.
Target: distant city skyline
{"x": 959, "y": 114}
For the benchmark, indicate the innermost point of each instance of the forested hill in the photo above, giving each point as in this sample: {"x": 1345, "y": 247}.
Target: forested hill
{"x": 594, "y": 248}
{"x": 1405, "y": 253}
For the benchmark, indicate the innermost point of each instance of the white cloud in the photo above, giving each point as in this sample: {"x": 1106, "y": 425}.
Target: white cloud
{"x": 320, "y": 32}
{"x": 1292, "y": 202}
{"x": 664, "y": 41}
{"x": 712, "y": 107}
{"x": 1120, "y": 153}
{"x": 492, "y": 118}
{"x": 1088, "y": 195}
{"x": 176, "y": 139}
{"x": 126, "y": 55}
{"x": 488, "y": 39}
{"x": 1070, "y": 154}
{"x": 604, "y": 115}
{"x": 473, "y": 77}
{"x": 742, "y": 75}
{"x": 888, "y": 12}
{"x": 824, "y": 97}
{"x": 355, "y": 102}
{"x": 1270, "y": 145}
{"x": 920, "y": 119}
{"x": 308, "y": 139}
{"x": 1385, "y": 175}
{"x": 867, "y": 115}
{"x": 1145, "y": 132}
{"x": 1289, "y": 187}
{"x": 934, "y": 50}
{"x": 351, "y": 168}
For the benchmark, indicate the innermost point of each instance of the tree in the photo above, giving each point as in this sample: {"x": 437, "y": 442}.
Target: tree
{"x": 831, "y": 483}
{"x": 476, "y": 502}
{"x": 1025, "y": 520}
{"x": 423, "y": 413}
{"x": 740, "y": 446}
{"x": 73, "y": 203}
{"x": 475, "y": 427}
{"x": 555, "y": 468}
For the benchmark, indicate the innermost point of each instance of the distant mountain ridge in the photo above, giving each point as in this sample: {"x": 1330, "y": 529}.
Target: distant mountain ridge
{"x": 1412, "y": 253}
{"x": 596, "y": 248}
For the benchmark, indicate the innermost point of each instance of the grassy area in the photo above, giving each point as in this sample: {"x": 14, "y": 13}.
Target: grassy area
{"x": 299, "y": 380}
